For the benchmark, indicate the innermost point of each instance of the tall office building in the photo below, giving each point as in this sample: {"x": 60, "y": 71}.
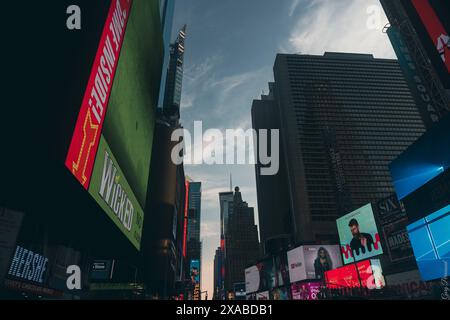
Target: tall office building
{"x": 241, "y": 242}
{"x": 226, "y": 208}
{"x": 194, "y": 224}
{"x": 218, "y": 284}
{"x": 419, "y": 34}
{"x": 344, "y": 118}
{"x": 174, "y": 80}
{"x": 167, "y": 11}
{"x": 272, "y": 190}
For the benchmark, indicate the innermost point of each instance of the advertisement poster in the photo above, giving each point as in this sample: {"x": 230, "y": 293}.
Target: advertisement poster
{"x": 306, "y": 291}
{"x": 252, "y": 279}
{"x": 280, "y": 294}
{"x": 263, "y": 296}
{"x": 368, "y": 275}
{"x": 195, "y": 279}
{"x": 311, "y": 262}
{"x": 358, "y": 234}
{"x": 110, "y": 151}
{"x": 281, "y": 270}
{"x": 10, "y": 223}
{"x": 409, "y": 285}
{"x": 397, "y": 241}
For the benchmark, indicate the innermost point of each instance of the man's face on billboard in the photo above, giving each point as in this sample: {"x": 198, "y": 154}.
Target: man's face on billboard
{"x": 354, "y": 229}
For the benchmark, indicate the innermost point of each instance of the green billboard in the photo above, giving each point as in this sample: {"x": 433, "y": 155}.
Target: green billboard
{"x": 111, "y": 148}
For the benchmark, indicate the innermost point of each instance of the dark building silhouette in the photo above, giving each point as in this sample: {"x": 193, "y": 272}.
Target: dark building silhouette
{"x": 272, "y": 190}
{"x": 241, "y": 242}
{"x": 174, "y": 80}
{"x": 343, "y": 119}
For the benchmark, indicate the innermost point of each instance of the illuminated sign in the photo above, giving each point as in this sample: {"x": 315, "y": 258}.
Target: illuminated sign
{"x": 85, "y": 141}
{"x": 111, "y": 190}
{"x": 430, "y": 240}
{"x": 311, "y": 262}
{"x": 28, "y": 265}
{"x": 367, "y": 274}
{"x": 435, "y": 29}
{"x": 111, "y": 148}
{"x": 358, "y": 234}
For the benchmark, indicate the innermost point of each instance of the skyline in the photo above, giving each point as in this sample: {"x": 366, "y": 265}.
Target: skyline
{"x": 227, "y": 81}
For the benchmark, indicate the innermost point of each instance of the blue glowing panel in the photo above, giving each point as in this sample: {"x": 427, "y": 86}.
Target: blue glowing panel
{"x": 427, "y": 158}
{"x": 430, "y": 239}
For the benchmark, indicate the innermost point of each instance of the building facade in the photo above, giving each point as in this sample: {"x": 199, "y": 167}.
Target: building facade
{"x": 241, "y": 242}
{"x": 272, "y": 190}
{"x": 343, "y": 117}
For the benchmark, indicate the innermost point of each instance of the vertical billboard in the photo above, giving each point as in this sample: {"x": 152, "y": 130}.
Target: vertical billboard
{"x": 416, "y": 83}
{"x": 195, "y": 279}
{"x": 431, "y": 21}
{"x": 110, "y": 150}
{"x": 393, "y": 219}
{"x": 358, "y": 234}
{"x": 311, "y": 262}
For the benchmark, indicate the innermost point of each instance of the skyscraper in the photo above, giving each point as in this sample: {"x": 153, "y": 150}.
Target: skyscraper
{"x": 167, "y": 11}
{"x": 218, "y": 283}
{"x": 174, "y": 80}
{"x": 241, "y": 242}
{"x": 272, "y": 190}
{"x": 344, "y": 118}
{"x": 194, "y": 224}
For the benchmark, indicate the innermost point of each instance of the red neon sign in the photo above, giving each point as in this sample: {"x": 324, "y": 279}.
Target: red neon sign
{"x": 435, "y": 29}
{"x": 186, "y": 210}
{"x": 85, "y": 140}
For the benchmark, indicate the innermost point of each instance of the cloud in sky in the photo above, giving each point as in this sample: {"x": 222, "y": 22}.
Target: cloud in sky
{"x": 340, "y": 26}
{"x": 230, "y": 51}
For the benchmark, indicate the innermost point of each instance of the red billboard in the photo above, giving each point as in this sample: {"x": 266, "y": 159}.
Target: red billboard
{"x": 431, "y": 20}
{"x": 366, "y": 274}
{"x": 86, "y": 137}
{"x": 435, "y": 29}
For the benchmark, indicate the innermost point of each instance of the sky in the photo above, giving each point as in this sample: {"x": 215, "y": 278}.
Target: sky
{"x": 230, "y": 52}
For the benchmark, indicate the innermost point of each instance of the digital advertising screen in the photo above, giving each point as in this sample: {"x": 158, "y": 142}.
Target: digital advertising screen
{"x": 281, "y": 270}
{"x": 263, "y": 296}
{"x": 195, "y": 272}
{"x": 430, "y": 239}
{"x": 358, "y": 234}
{"x": 431, "y": 21}
{"x": 110, "y": 151}
{"x": 252, "y": 279}
{"x": 424, "y": 162}
{"x": 280, "y": 294}
{"x": 409, "y": 284}
{"x": 311, "y": 262}
{"x": 367, "y": 274}
{"x": 306, "y": 290}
